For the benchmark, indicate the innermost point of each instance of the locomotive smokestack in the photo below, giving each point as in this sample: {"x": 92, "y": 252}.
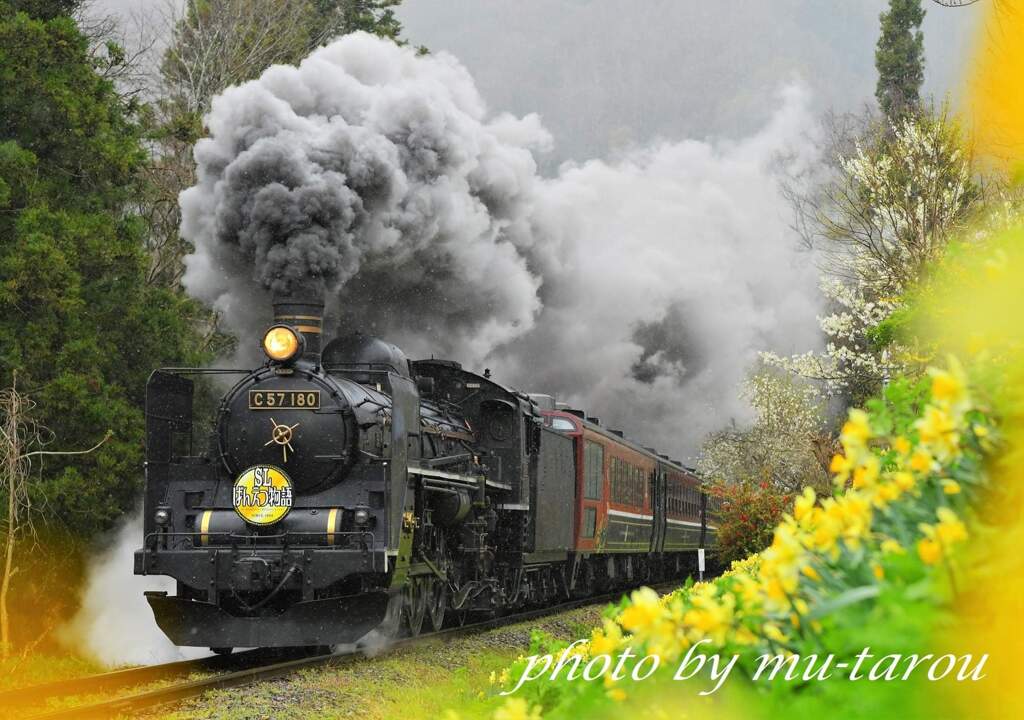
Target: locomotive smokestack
{"x": 304, "y": 312}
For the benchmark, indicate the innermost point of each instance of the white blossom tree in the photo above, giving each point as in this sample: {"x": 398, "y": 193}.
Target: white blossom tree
{"x": 878, "y": 225}
{"x": 786, "y": 447}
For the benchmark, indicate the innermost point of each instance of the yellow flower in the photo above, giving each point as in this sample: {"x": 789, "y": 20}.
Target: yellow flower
{"x": 810, "y": 572}
{"x": 710, "y": 617}
{"x": 937, "y": 430}
{"x": 617, "y": 694}
{"x": 644, "y": 609}
{"x": 839, "y": 464}
{"x": 865, "y": 475}
{"x": 517, "y": 709}
{"x": 903, "y": 480}
{"x": 891, "y": 547}
{"x": 772, "y": 632}
{"x": 493, "y": 677}
{"x": 950, "y": 487}
{"x": 878, "y": 572}
{"x": 856, "y": 430}
{"x": 921, "y": 460}
{"x": 929, "y": 550}
{"x": 950, "y": 529}
{"x": 605, "y": 641}
{"x": 901, "y": 445}
{"x": 804, "y": 504}
{"x": 950, "y": 386}
{"x": 887, "y": 492}
{"x": 980, "y": 430}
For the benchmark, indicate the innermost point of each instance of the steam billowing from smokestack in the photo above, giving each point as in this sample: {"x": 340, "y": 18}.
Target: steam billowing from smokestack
{"x": 640, "y": 289}
{"x": 372, "y": 166}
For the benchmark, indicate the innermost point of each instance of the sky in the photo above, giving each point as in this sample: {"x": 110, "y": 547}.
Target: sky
{"x": 609, "y": 75}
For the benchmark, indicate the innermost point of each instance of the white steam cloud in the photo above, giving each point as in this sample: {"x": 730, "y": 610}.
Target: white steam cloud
{"x": 114, "y": 625}
{"x": 640, "y": 289}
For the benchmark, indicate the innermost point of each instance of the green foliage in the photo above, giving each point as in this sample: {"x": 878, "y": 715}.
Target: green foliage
{"x": 894, "y": 411}
{"x": 43, "y": 9}
{"x": 78, "y": 320}
{"x": 347, "y": 16}
{"x": 899, "y": 58}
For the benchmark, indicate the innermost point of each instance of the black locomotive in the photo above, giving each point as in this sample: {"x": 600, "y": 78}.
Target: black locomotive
{"x": 350, "y": 489}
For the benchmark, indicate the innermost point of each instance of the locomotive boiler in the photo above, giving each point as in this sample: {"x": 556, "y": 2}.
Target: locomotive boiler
{"x": 343, "y": 488}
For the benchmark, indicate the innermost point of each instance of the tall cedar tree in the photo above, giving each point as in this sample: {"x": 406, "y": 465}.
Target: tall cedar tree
{"x": 78, "y": 321}
{"x": 899, "y": 58}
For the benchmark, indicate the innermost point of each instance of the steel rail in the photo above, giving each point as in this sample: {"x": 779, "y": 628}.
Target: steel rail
{"x": 133, "y": 676}
{"x": 180, "y": 691}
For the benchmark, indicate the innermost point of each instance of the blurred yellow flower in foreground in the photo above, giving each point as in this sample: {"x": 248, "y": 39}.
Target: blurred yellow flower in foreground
{"x": 517, "y": 709}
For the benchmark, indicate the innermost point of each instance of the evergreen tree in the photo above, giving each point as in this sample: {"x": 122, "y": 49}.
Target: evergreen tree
{"x": 339, "y": 17}
{"x": 899, "y": 58}
{"x": 77, "y": 319}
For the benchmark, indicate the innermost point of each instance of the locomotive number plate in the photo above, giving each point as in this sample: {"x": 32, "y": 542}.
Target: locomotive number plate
{"x": 284, "y": 399}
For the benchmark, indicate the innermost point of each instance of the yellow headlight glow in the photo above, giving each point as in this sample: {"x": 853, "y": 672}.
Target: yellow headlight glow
{"x": 280, "y": 343}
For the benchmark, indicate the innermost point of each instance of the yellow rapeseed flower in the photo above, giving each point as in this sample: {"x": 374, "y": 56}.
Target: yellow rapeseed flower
{"x": 804, "y": 504}
{"x": 901, "y": 445}
{"x": 903, "y": 480}
{"x": 644, "y": 609}
{"x": 891, "y": 547}
{"x": 877, "y": 571}
{"x": 929, "y": 550}
{"x": 606, "y": 640}
{"x": 865, "y": 474}
{"x": 949, "y": 387}
{"x": 921, "y": 460}
{"x": 809, "y": 571}
{"x": 840, "y": 465}
{"x": 517, "y": 709}
{"x": 856, "y": 430}
{"x": 950, "y": 528}
{"x": 937, "y": 430}
{"x": 950, "y": 487}
{"x": 772, "y": 632}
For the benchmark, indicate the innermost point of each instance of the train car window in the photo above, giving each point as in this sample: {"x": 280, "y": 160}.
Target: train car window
{"x": 593, "y": 465}
{"x": 562, "y": 424}
{"x": 627, "y": 483}
{"x": 589, "y": 522}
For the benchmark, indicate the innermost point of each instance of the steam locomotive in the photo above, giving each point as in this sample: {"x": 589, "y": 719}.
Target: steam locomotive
{"x": 346, "y": 489}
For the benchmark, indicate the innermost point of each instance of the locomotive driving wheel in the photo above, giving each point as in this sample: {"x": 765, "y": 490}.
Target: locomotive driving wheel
{"x": 415, "y": 605}
{"x": 437, "y": 602}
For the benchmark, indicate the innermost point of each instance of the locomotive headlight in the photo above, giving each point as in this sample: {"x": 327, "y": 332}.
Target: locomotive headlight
{"x": 162, "y": 517}
{"x": 281, "y": 343}
{"x": 361, "y": 516}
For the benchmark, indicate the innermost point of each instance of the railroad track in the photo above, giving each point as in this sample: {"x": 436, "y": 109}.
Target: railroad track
{"x": 235, "y": 670}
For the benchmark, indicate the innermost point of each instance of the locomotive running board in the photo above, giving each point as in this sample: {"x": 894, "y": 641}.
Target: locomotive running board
{"x": 315, "y": 622}
{"x": 469, "y": 481}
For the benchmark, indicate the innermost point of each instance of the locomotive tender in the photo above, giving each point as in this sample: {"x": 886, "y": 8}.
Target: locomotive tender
{"x": 347, "y": 489}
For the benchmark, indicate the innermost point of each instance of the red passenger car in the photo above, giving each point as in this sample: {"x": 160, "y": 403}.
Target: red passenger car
{"x": 635, "y": 510}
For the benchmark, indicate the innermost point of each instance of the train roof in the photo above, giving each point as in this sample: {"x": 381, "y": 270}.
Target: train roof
{"x": 617, "y": 437}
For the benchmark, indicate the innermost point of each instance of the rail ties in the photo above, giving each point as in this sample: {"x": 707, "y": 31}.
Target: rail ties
{"x": 254, "y": 668}
{"x": 36, "y": 695}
